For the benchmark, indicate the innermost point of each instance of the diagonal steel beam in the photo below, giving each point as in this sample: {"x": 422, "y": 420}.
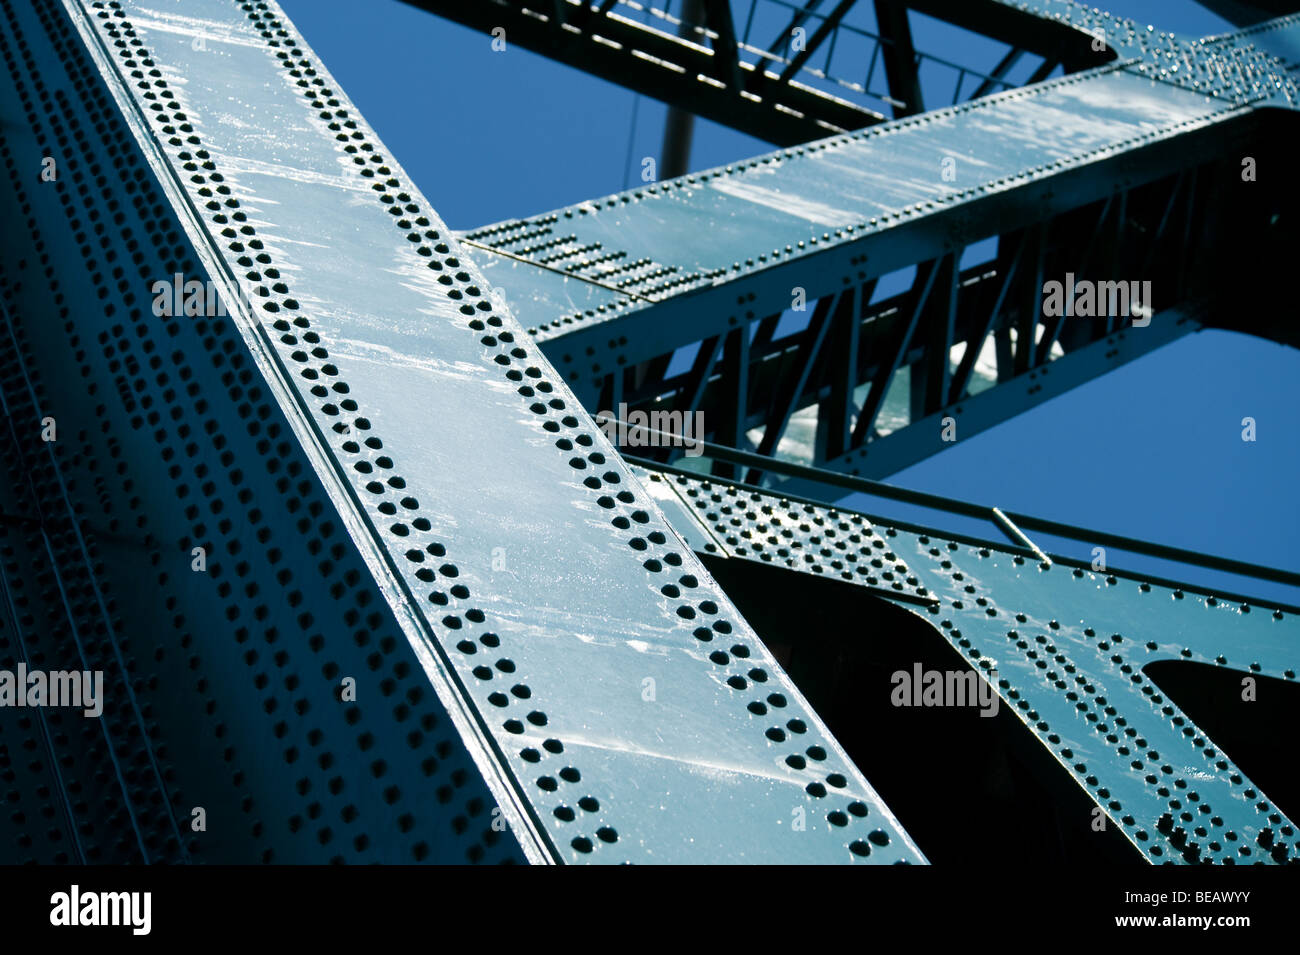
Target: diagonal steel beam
{"x": 932, "y": 376}
{"x": 825, "y": 28}
{"x": 922, "y": 284}
{"x": 781, "y": 42}
{"x": 994, "y": 79}
{"x": 364, "y": 442}
{"x": 790, "y": 388}
{"x": 1008, "y": 264}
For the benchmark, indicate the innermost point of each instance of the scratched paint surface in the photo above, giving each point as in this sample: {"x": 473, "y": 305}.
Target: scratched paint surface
{"x": 526, "y": 553}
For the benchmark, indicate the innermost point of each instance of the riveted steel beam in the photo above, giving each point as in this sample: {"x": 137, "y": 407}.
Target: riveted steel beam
{"x": 706, "y": 65}
{"x": 620, "y": 279}
{"x": 358, "y": 516}
{"x": 1093, "y": 667}
{"x": 367, "y": 583}
{"x": 632, "y": 276}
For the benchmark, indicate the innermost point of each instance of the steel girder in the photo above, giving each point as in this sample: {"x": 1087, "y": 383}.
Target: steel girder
{"x": 439, "y": 620}
{"x": 780, "y": 91}
{"x": 367, "y": 583}
{"x": 621, "y": 282}
{"x": 850, "y": 343}
{"x": 1116, "y": 162}
{"x": 632, "y": 277}
{"x": 1090, "y": 665}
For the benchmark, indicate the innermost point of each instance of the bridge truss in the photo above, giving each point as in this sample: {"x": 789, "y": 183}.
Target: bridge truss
{"x": 367, "y": 580}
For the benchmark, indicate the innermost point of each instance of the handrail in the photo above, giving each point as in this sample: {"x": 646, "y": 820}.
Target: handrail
{"x": 965, "y": 508}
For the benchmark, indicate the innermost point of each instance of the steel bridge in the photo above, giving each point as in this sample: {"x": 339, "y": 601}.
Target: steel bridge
{"x": 367, "y": 579}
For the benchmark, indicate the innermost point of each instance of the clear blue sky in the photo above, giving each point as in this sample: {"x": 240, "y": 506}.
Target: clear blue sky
{"x": 1152, "y": 451}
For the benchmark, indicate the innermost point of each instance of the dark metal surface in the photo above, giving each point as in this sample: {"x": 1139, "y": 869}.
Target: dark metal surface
{"x": 438, "y": 617}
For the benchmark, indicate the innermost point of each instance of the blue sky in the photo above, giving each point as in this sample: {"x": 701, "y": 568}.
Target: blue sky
{"x": 1153, "y": 450}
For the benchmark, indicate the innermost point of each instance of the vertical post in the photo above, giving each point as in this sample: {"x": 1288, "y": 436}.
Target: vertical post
{"x": 679, "y": 127}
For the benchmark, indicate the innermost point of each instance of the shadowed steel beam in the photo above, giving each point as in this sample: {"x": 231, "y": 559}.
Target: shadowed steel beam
{"x": 923, "y": 283}
{"x": 1009, "y": 265}
{"x": 703, "y": 366}
{"x": 1030, "y": 298}
{"x": 679, "y": 124}
{"x": 835, "y": 413}
{"x": 901, "y": 65}
{"x": 705, "y": 361}
{"x": 726, "y": 53}
{"x": 1043, "y": 72}
{"x": 932, "y": 375}
{"x": 1244, "y": 13}
{"x": 622, "y": 50}
{"x": 1052, "y": 325}
{"x": 734, "y": 407}
{"x": 785, "y": 399}
{"x": 1004, "y": 66}
{"x": 782, "y": 40}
